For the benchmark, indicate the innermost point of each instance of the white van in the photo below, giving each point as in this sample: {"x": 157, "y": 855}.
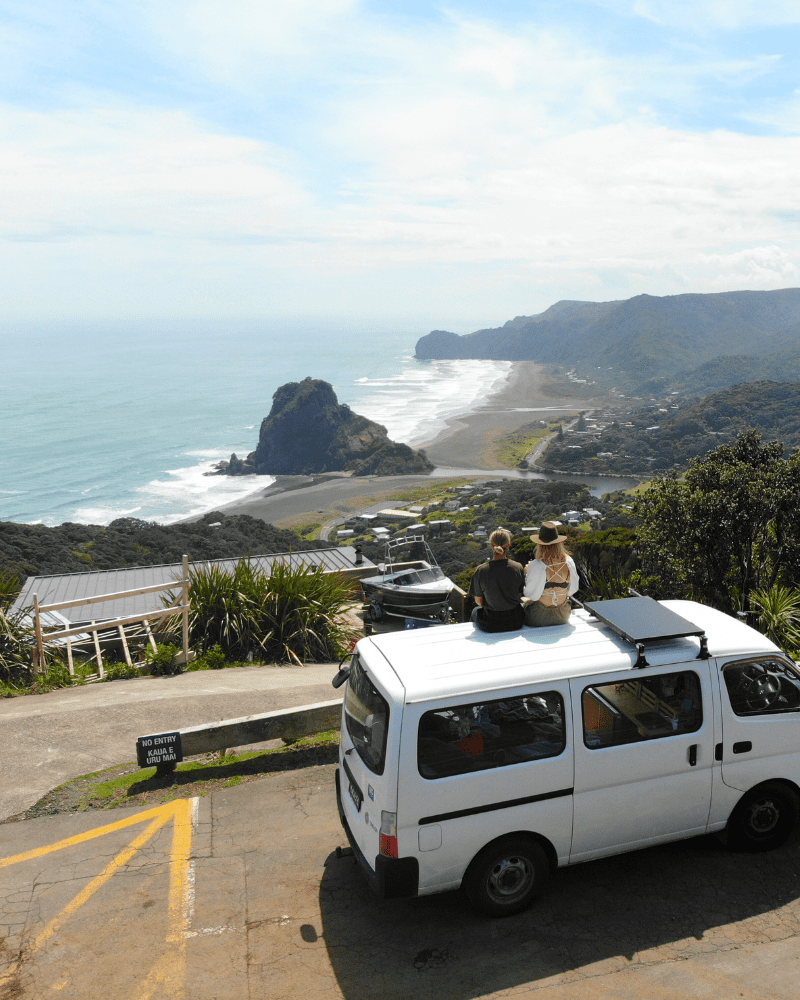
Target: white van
{"x": 487, "y": 760}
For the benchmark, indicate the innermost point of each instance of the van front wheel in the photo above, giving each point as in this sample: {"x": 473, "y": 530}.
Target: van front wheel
{"x": 763, "y": 819}
{"x": 505, "y": 877}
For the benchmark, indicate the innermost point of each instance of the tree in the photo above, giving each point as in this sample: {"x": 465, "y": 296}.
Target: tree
{"x": 730, "y": 527}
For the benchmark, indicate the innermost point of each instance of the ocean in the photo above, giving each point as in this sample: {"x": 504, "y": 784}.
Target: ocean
{"x": 123, "y": 419}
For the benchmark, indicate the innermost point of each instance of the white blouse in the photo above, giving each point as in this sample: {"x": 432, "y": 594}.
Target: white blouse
{"x": 536, "y": 578}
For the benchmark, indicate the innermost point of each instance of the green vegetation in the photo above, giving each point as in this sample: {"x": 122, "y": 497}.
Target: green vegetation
{"x": 294, "y": 615}
{"x": 161, "y": 660}
{"x": 661, "y": 437}
{"x": 32, "y": 549}
{"x": 9, "y": 588}
{"x": 728, "y": 529}
{"x": 16, "y": 640}
{"x": 127, "y": 785}
{"x": 778, "y": 610}
{"x": 120, "y": 672}
{"x": 513, "y": 448}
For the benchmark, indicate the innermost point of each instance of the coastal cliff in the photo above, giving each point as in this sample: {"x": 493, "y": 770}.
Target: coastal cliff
{"x": 707, "y": 341}
{"x": 308, "y": 430}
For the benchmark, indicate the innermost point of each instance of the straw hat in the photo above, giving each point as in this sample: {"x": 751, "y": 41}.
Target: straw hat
{"x": 548, "y": 535}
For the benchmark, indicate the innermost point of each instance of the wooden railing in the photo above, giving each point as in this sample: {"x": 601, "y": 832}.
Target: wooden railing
{"x": 117, "y": 624}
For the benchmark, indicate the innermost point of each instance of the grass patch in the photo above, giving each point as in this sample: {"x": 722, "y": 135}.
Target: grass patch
{"x": 513, "y": 448}
{"x": 128, "y": 785}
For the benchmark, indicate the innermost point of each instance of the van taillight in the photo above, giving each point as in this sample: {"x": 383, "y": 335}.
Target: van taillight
{"x": 388, "y": 834}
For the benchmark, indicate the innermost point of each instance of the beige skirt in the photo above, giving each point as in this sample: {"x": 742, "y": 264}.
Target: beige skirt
{"x": 538, "y": 614}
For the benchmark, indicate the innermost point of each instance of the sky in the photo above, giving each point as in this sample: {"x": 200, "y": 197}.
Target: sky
{"x": 454, "y": 164}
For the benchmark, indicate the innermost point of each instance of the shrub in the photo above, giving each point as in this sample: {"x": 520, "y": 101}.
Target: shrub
{"x": 292, "y": 615}
{"x": 9, "y": 588}
{"x": 120, "y": 672}
{"x": 161, "y": 660}
{"x": 215, "y": 658}
{"x": 16, "y": 640}
{"x": 778, "y": 609}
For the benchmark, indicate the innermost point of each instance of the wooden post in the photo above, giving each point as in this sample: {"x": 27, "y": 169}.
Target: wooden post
{"x": 125, "y": 649}
{"x": 100, "y": 671}
{"x": 185, "y": 603}
{"x": 150, "y": 638}
{"x": 37, "y": 625}
{"x": 69, "y": 658}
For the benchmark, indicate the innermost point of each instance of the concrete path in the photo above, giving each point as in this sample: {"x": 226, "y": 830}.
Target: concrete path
{"x": 47, "y": 739}
{"x": 241, "y": 894}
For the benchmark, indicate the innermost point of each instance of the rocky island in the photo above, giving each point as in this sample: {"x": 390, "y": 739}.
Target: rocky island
{"x": 309, "y": 431}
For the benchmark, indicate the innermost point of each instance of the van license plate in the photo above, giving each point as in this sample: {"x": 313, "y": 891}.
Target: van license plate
{"x": 355, "y": 795}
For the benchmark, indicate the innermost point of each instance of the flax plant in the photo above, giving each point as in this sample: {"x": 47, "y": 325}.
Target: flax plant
{"x": 292, "y": 615}
{"x": 778, "y": 610}
{"x": 16, "y": 641}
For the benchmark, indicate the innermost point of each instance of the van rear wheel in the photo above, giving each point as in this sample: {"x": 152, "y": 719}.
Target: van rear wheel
{"x": 506, "y": 876}
{"x": 763, "y": 819}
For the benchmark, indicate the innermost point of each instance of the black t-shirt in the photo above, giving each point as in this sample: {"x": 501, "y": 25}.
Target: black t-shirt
{"x": 499, "y": 582}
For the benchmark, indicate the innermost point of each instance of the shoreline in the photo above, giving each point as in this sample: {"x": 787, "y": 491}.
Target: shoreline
{"x": 462, "y": 450}
{"x": 527, "y": 395}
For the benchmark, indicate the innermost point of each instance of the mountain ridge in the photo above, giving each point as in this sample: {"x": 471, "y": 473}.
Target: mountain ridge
{"x": 644, "y": 337}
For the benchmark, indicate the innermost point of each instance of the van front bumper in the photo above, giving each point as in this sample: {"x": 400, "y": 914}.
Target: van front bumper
{"x": 391, "y": 878}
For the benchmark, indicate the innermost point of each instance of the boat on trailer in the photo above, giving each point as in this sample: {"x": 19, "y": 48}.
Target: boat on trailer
{"x": 403, "y": 592}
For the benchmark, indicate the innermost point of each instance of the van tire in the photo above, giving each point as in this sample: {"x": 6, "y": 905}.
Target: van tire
{"x": 763, "y": 819}
{"x": 506, "y": 876}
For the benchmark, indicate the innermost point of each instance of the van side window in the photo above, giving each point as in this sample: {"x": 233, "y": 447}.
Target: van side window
{"x": 647, "y": 708}
{"x": 763, "y": 686}
{"x": 489, "y": 734}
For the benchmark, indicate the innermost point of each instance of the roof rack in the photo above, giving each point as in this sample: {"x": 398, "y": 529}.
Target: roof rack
{"x": 641, "y": 620}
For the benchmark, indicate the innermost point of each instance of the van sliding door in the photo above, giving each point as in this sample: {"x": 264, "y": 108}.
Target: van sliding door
{"x": 644, "y": 756}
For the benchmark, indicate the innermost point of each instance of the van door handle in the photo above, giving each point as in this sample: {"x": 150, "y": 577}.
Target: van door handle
{"x": 718, "y": 752}
{"x": 744, "y": 747}
{"x": 693, "y": 755}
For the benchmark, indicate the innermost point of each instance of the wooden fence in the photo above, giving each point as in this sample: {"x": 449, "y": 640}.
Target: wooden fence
{"x": 114, "y": 624}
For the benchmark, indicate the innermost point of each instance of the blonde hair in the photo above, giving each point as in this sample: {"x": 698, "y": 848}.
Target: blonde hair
{"x": 555, "y": 552}
{"x": 500, "y": 540}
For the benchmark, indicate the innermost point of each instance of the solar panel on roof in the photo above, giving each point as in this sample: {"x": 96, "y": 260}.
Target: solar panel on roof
{"x": 641, "y": 619}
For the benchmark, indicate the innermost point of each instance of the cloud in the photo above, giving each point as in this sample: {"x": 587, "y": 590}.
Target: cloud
{"x": 755, "y": 267}
{"x": 701, "y": 14}
{"x": 316, "y": 153}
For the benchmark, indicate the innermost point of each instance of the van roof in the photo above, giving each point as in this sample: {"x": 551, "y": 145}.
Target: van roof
{"x": 456, "y": 660}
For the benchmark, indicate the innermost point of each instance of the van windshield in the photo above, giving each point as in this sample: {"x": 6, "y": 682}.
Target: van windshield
{"x": 367, "y": 717}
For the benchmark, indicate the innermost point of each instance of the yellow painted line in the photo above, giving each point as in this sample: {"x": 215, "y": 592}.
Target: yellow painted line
{"x": 100, "y": 880}
{"x": 169, "y": 972}
{"x": 82, "y": 838}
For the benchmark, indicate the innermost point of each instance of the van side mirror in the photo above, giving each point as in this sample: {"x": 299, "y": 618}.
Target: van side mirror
{"x": 342, "y": 674}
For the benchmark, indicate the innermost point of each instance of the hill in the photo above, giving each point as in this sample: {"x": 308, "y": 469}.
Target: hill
{"x": 33, "y": 549}
{"x": 308, "y": 430}
{"x": 644, "y": 337}
{"x": 656, "y": 438}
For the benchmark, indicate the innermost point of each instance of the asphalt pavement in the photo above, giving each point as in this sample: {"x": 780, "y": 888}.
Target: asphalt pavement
{"x": 48, "y": 738}
{"x": 241, "y": 893}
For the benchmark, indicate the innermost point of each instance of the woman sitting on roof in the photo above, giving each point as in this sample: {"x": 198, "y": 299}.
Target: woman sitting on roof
{"x": 497, "y": 588}
{"x": 550, "y": 580}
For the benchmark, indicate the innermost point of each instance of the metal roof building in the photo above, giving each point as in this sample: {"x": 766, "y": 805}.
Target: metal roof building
{"x": 71, "y": 586}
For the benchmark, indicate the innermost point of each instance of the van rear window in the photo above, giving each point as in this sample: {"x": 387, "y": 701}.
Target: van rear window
{"x": 489, "y": 734}
{"x": 367, "y": 717}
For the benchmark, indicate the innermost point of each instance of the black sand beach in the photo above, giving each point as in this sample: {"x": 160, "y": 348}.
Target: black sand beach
{"x": 465, "y": 447}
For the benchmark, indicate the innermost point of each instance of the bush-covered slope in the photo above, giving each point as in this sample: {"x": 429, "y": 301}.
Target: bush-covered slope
{"x": 32, "y": 549}
{"x": 643, "y": 337}
{"x": 655, "y": 438}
